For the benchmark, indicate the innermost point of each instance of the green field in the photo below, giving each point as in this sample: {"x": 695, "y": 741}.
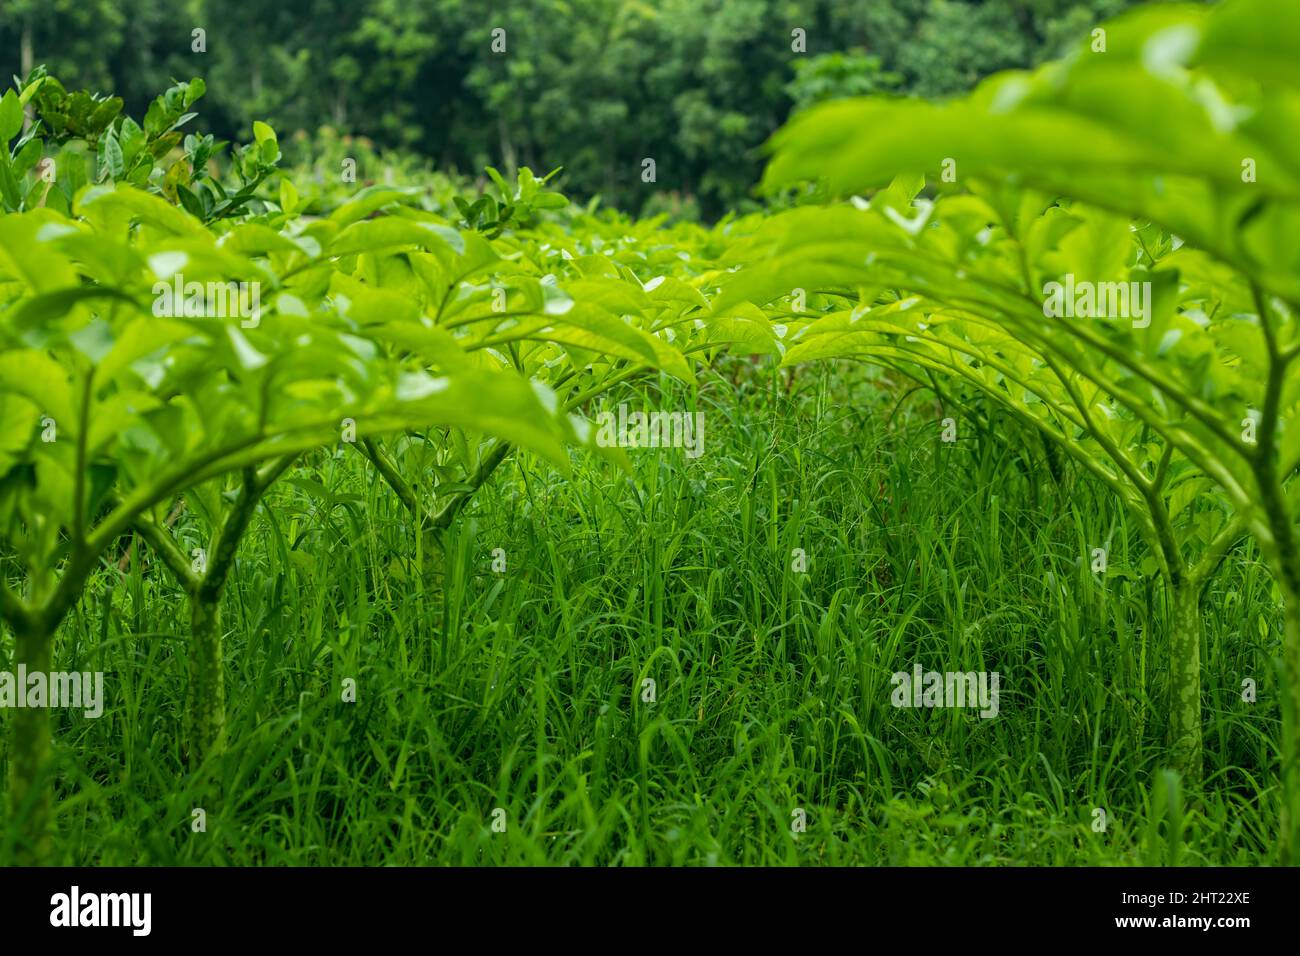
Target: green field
{"x": 963, "y": 527}
{"x": 523, "y": 690}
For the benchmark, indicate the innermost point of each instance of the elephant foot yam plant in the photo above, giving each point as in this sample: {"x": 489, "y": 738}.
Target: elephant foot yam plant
{"x": 1071, "y": 264}
{"x": 937, "y": 504}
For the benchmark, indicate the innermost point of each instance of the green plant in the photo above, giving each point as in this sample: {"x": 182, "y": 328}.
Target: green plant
{"x": 1140, "y": 126}
{"x": 518, "y": 207}
{"x": 105, "y": 428}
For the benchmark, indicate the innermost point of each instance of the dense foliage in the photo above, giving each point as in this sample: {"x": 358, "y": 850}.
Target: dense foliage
{"x": 1154, "y": 162}
{"x": 598, "y": 85}
{"x": 371, "y": 419}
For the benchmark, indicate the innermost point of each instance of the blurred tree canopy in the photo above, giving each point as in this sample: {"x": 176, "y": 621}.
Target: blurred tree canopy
{"x": 597, "y": 86}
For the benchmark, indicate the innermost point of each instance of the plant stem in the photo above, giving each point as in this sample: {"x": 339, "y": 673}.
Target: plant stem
{"x": 205, "y": 702}
{"x": 1284, "y": 559}
{"x": 29, "y": 791}
{"x": 206, "y": 699}
{"x": 1185, "y": 681}
{"x": 1290, "y": 817}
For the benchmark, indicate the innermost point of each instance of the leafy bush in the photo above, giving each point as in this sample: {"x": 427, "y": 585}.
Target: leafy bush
{"x": 1098, "y": 253}
{"x": 1151, "y": 157}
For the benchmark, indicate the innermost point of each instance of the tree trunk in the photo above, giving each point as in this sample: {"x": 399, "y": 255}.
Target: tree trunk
{"x": 30, "y": 799}
{"x": 205, "y": 702}
{"x": 1185, "y": 683}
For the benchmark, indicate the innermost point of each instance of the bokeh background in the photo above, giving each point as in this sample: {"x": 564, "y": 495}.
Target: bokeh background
{"x": 594, "y": 85}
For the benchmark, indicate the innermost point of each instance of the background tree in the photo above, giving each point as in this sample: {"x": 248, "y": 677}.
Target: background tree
{"x": 596, "y": 86}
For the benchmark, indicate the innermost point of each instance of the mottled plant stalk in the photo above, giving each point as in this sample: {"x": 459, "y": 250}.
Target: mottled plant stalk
{"x": 204, "y": 722}
{"x": 1282, "y": 551}
{"x": 1284, "y": 558}
{"x": 30, "y": 777}
{"x": 205, "y": 699}
{"x": 1185, "y": 628}
{"x": 431, "y": 525}
{"x": 205, "y": 705}
{"x": 30, "y": 797}
{"x": 1182, "y": 585}
{"x": 1289, "y": 817}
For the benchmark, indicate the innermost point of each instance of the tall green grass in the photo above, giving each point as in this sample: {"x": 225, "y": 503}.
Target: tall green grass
{"x": 524, "y": 690}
